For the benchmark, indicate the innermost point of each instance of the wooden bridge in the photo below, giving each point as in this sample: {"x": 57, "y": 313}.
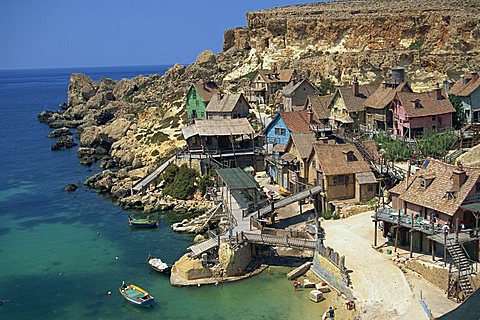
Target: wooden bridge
{"x": 265, "y": 239}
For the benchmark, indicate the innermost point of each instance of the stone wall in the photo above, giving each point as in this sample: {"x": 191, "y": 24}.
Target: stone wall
{"x": 234, "y": 261}
{"x": 436, "y": 275}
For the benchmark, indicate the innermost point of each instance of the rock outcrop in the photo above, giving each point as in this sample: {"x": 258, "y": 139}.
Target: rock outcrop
{"x": 365, "y": 38}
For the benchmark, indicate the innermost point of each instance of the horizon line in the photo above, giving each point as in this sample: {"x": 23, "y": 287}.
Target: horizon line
{"x": 93, "y": 67}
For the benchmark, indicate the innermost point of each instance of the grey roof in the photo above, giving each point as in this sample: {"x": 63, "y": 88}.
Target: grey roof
{"x": 365, "y": 177}
{"x": 293, "y": 86}
{"x": 218, "y": 127}
{"x": 223, "y": 103}
{"x": 237, "y": 179}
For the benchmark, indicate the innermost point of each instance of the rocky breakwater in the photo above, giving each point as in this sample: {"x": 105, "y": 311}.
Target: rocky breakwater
{"x": 365, "y": 38}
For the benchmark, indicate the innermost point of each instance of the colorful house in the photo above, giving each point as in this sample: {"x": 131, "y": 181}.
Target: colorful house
{"x": 467, "y": 89}
{"x": 417, "y": 113}
{"x": 378, "y": 116}
{"x": 197, "y": 98}
{"x": 265, "y": 83}
{"x": 347, "y": 109}
{"x": 295, "y": 94}
{"x": 279, "y": 129}
{"x": 227, "y": 106}
{"x": 438, "y": 194}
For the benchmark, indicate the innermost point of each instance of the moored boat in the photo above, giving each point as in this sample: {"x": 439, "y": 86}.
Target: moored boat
{"x": 142, "y": 222}
{"x": 136, "y": 295}
{"x": 158, "y": 265}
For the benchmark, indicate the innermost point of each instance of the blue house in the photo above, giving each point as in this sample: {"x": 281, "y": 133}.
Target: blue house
{"x": 467, "y": 89}
{"x": 277, "y": 134}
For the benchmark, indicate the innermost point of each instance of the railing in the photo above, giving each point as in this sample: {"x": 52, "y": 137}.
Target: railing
{"x": 419, "y": 224}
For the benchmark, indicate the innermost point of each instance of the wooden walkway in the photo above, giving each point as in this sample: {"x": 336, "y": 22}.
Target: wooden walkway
{"x": 199, "y": 248}
{"x": 142, "y": 184}
{"x": 265, "y": 239}
{"x": 291, "y": 199}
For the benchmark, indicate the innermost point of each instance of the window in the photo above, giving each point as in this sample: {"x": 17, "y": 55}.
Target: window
{"x": 196, "y": 103}
{"x": 439, "y": 120}
{"x": 283, "y": 132}
{"x": 370, "y": 187}
{"x": 194, "y": 94}
{"x": 477, "y": 187}
{"x": 202, "y": 114}
{"x": 277, "y": 131}
{"x": 351, "y": 156}
{"x": 337, "y": 180}
{"x": 423, "y": 183}
{"x": 433, "y": 118}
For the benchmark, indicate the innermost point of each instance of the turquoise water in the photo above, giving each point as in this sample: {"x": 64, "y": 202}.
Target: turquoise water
{"x": 53, "y": 265}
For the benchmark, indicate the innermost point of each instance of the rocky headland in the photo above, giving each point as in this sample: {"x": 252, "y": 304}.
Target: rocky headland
{"x": 130, "y": 126}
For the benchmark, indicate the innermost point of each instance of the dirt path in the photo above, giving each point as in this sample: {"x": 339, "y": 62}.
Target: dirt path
{"x": 381, "y": 288}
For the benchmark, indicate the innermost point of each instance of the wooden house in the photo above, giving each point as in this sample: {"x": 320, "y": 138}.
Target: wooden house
{"x": 197, "y": 98}
{"x": 342, "y": 173}
{"x": 417, "y": 113}
{"x": 265, "y": 83}
{"x": 227, "y": 106}
{"x": 295, "y": 94}
{"x": 347, "y": 109}
{"x": 438, "y": 194}
{"x": 467, "y": 89}
{"x": 378, "y": 115}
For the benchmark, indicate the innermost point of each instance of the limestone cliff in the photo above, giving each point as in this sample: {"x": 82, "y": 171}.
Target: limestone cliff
{"x": 431, "y": 39}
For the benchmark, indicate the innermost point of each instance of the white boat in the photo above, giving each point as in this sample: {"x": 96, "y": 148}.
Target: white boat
{"x": 158, "y": 265}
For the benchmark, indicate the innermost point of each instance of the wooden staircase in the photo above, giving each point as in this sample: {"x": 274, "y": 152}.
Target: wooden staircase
{"x": 460, "y": 269}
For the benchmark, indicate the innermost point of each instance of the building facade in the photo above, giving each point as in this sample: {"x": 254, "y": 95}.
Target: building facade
{"x": 197, "y": 98}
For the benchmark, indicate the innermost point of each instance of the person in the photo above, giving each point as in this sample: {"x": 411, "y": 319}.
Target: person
{"x": 296, "y": 284}
{"x": 446, "y": 228}
{"x": 462, "y": 225}
{"x": 389, "y": 236}
{"x": 331, "y": 313}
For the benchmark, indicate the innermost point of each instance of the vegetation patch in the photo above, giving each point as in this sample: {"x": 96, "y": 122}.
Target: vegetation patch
{"x": 393, "y": 149}
{"x": 417, "y": 44}
{"x": 179, "y": 181}
{"x": 435, "y": 144}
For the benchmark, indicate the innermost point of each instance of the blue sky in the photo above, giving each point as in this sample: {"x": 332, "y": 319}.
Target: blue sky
{"x": 82, "y": 33}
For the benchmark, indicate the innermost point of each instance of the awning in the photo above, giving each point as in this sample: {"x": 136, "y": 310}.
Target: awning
{"x": 236, "y": 179}
{"x": 475, "y": 207}
{"x": 365, "y": 177}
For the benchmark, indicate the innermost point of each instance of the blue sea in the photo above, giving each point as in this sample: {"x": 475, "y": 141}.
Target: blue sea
{"x": 54, "y": 265}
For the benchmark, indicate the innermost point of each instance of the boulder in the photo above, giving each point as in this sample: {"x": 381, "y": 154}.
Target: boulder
{"x": 59, "y": 132}
{"x": 63, "y": 142}
{"x": 81, "y": 89}
{"x": 198, "y": 238}
{"x": 71, "y": 187}
{"x": 191, "y": 268}
{"x": 117, "y": 129}
{"x": 124, "y": 88}
{"x": 90, "y": 137}
{"x": 205, "y": 58}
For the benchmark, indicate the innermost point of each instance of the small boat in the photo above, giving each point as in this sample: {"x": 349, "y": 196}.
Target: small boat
{"x": 158, "y": 265}
{"x": 136, "y": 295}
{"x": 142, "y": 222}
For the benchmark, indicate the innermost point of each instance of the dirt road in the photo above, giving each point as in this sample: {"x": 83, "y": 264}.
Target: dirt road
{"x": 381, "y": 287}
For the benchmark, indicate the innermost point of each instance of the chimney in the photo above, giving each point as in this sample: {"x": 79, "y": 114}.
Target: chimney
{"x": 310, "y": 116}
{"x": 459, "y": 177}
{"x": 439, "y": 93}
{"x": 355, "y": 86}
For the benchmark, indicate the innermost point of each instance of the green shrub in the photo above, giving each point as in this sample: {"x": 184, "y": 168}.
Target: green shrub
{"x": 182, "y": 187}
{"x": 436, "y": 144}
{"x": 205, "y": 182}
{"x": 417, "y": 44}
{"x": 394, "y": 149}
{"x": 169, "y": 173}
{"x": 327, "y": 215}
{"x": 155, "y": 153}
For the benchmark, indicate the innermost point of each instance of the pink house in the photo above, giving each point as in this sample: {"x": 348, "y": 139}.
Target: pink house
{"x": 417, "y": 113}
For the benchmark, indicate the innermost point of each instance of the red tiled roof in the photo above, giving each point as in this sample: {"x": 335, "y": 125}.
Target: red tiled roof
{"x": 320, "y": 106}
{"x": 296, "y": 121}
{"x": 465, "y": 85}
{"x": 428, "y": 102}
{"x": 206, "y": 90}
{"x": 332, "y": 159}
{"x": 270, "y": 76}
{"x": 434, "y": 196}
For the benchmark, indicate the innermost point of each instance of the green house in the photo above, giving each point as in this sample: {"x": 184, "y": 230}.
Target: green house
{"x": 198, "y": 96}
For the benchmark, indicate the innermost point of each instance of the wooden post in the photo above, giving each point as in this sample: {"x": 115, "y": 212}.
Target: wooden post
{"x": 397, "y": 231}
{"x": 376, "y": 227}
{"x": 445, "y": 248}
{"x": 433, "y": 249}
{"x": 457, "y": 229}
{"x": 254, "y": 155}
{"x": 411, "y": 239}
